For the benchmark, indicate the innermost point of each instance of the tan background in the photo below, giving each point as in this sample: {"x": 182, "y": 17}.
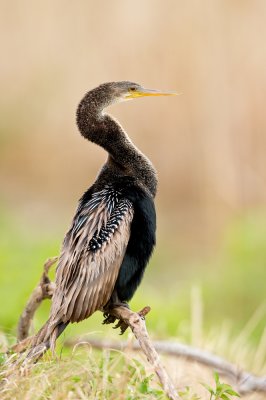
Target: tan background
{"x": 208, "y": 144}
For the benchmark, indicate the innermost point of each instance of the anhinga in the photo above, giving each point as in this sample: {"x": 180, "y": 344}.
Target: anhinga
{"x": 112, "y": 236}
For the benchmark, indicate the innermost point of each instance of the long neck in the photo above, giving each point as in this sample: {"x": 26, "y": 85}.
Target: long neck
{"x": 102, "y": 129}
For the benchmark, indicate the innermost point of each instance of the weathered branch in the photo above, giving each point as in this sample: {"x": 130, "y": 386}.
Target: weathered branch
{"x": 136, "y": 322}
{"x": 44, "y": 290}
{"x": 244, "y": 381}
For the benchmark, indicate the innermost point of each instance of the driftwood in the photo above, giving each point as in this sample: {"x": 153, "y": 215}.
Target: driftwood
{"x": 245, "y": 381}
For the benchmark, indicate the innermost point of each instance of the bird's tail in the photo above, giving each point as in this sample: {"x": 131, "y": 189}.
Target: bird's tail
{"x": 45, "y": 339}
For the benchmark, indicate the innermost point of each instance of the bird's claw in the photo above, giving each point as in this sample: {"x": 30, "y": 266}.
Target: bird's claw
{"x": 122, "y": 325}
{"x": 108, "y": 319}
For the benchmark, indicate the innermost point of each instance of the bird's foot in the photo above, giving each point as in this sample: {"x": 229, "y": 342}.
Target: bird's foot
{"x": 110, "y": 319}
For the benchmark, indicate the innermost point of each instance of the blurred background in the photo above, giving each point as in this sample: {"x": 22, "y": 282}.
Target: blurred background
{"x": 208, "y": 145}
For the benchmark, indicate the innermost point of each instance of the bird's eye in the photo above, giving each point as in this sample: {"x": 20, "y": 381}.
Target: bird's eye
{"x": 133, "y": 89}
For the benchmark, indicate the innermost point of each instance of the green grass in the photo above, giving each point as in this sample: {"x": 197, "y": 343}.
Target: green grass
{"x": 85, "y": 373}
{"x": 106, "y": 375}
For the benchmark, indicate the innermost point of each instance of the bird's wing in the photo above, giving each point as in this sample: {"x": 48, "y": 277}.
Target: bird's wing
{"x": 91, "y": 257}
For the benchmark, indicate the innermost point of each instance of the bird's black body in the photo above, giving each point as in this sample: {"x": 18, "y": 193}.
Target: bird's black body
{"x": 140, "y": 245}
{"x": 112, "y": 235}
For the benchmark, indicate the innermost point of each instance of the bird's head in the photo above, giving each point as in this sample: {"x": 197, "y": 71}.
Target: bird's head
{"x": 121, "y": 91}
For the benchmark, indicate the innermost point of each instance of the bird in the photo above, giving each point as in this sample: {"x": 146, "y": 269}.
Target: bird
{"x": 113, "y": 233}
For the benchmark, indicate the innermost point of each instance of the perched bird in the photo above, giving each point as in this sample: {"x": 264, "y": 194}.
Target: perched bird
{"x": 112, "y": 236}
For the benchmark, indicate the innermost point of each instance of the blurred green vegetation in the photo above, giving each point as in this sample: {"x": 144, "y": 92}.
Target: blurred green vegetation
{"x": 228, "y": 288}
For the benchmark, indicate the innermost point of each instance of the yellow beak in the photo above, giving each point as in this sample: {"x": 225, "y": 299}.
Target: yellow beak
{"x": 148, "y": 92}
